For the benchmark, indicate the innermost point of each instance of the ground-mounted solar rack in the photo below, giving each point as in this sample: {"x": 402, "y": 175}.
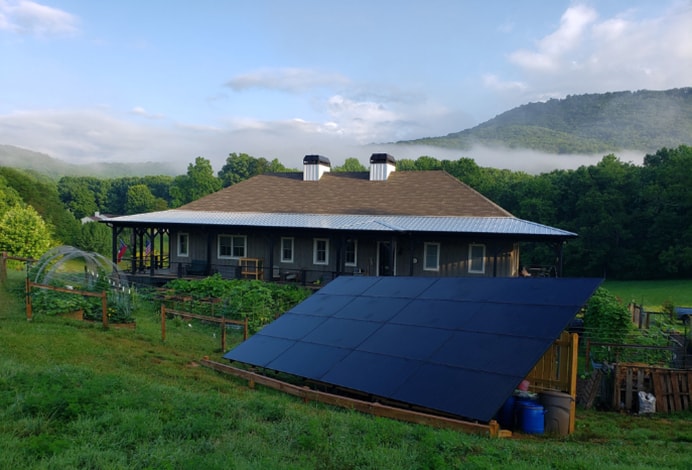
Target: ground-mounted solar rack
{"x": 456, "y": 346}
{"x": 374, "y": 408}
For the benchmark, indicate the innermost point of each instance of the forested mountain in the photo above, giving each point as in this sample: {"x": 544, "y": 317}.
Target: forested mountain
{"x": 17, "y": 157}
{"x": 593, "y": 123}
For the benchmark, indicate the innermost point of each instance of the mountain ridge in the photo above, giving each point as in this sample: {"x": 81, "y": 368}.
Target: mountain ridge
{"x": 590, "y": 123}
{"x": 26, "y": 159}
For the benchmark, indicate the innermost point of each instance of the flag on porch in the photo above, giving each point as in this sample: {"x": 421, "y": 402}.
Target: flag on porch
{"x": 147, "y": 249}
{"x": 122, "y": 250}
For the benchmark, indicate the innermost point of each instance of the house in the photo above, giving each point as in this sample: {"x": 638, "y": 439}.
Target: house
{"x": 315, "y": 225}
{"x": 97, "y": 217}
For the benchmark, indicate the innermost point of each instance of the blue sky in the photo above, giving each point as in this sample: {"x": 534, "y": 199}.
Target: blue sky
{"x": 155, "y": 80}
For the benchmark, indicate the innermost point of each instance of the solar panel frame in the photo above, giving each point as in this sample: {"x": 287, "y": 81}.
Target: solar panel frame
{"x": 456, "y": 345}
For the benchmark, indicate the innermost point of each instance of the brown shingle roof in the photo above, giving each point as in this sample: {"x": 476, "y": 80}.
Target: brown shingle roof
{"x": 431, "y": 193}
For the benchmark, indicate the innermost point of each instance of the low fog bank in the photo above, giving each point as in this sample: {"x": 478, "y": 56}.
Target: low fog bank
{"x": 93, "y": 136}
{"x": 526, "y": 160}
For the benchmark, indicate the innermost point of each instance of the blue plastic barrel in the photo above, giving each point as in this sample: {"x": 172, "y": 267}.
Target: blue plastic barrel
{"x": 531, "y": 418}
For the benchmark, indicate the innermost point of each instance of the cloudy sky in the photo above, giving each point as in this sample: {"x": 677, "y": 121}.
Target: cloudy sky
{"x": 167, "y": 80}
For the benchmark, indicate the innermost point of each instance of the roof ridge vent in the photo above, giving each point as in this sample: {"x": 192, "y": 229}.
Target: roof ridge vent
{"x": 314, "y": 166}
{"x": 381, "y": 166}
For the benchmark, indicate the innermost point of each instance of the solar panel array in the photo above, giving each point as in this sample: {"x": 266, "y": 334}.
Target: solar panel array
{"x": 456, "y": 345}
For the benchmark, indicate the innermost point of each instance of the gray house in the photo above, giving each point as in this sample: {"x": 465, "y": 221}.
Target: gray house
{"x": 315, "y": 225}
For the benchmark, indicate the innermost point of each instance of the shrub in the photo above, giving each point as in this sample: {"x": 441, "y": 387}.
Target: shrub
{"x": 606, "y": 320}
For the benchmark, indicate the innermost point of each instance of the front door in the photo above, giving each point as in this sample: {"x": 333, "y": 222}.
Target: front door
{"x": 385, "y": 259}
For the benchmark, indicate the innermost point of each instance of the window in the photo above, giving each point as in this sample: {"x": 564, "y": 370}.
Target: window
{"x": 183, "y": 244}
{"x": 232, "y": 246}
{"x": 320, "y": 251}
{"x": 476, "y": 258}
{"x": 286, "y": 250}
{"x": 350, "y": 252}
{"x": 431, "y": 257}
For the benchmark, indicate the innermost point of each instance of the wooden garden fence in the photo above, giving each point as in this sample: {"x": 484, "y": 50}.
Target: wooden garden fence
{"x": 3, "y": 264}
{"x": 220, "y": 320}
{"x": 31, "y": 285}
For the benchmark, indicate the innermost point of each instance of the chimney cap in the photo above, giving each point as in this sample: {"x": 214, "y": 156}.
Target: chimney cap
{"x": 382, "y": 158}
{"x": 316, "y": 160}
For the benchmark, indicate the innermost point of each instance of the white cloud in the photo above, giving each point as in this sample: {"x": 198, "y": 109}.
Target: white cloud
{"x": 141, "y": 112}
{"x": 587, "y": 54}
{"x": 551, "y": 49}
{"x": 494, "y": 82}
{"x": 291, "y": 80}
{"x": 27, "y": 17}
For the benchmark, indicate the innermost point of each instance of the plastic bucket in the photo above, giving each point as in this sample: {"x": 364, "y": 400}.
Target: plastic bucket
{"x": 531, "y": 418}
{"x": 557, "y": 411}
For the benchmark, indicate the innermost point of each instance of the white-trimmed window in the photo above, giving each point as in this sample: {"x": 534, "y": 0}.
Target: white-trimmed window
{"x": 351, "y": 252}
{"x": 476, "y": 258}
{"x": 232, "y": 246}
{"x": 320, "y": 251}
{"x": 431, "y": 257}
{"x": 286, "y": 250}
{"x": 183, "y": 244}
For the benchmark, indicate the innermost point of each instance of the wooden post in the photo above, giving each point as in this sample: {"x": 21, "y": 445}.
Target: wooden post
{"x": 29, "y": 313}
{"x": 574, "y": 356}
{"x": 104, "y": 309}
{"x": 223, "y": 335}
{"x": 163, "y": 322}
{"x": 245, "y": 330}
{"x": 3, "y": 267}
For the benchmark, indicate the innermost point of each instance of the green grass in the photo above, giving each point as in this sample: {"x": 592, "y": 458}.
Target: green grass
{"x": 77, "y": 396}
{"x": 652, "y": 294}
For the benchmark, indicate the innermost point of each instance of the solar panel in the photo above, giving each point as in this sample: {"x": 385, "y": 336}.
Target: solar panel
{"x": 456, "y": 345}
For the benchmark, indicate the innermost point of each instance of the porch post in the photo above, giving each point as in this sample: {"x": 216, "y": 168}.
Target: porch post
{"x": 560, "y": 252}
{"x": 270, "y": 265}
{"x": 114, "y": 245}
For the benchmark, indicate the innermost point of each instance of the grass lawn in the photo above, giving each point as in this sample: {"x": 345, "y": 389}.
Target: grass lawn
{"x": 652, "y": 294}
{"x": 73, "y": 395}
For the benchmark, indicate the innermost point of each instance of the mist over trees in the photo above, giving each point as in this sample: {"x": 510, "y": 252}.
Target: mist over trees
{"x": 633, "y": 221}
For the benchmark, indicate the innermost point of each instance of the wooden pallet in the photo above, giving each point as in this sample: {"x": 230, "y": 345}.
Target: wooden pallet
{"x": 671, "y": 387}
{"x": 672, "y": 390}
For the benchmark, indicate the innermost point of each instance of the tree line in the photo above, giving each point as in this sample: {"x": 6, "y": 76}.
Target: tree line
{"x": 633, "y": 221}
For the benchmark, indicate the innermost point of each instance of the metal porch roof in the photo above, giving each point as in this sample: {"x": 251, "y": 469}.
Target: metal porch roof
{"x": 351, "y": 222}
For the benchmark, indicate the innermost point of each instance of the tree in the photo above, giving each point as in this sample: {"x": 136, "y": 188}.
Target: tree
{"x": 351, "y": 165}
{"x": 8, "y": 196}
{"x": 42, "y": 194}
{"x": 24, "y": 233}
{"x": 428, "y": 163}
{"x": 78, "y": 194}
{"x": 199, "y": 181}
{"x": 95, "y": 237}
{"x": 667, "y": 203}
{"x": 140, "y": 199}
{"x": 239, "y": 167}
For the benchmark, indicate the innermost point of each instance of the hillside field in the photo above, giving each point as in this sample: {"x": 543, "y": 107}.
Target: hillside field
{"x": 653, "y": 294}
{"x": 73, "y": 395}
